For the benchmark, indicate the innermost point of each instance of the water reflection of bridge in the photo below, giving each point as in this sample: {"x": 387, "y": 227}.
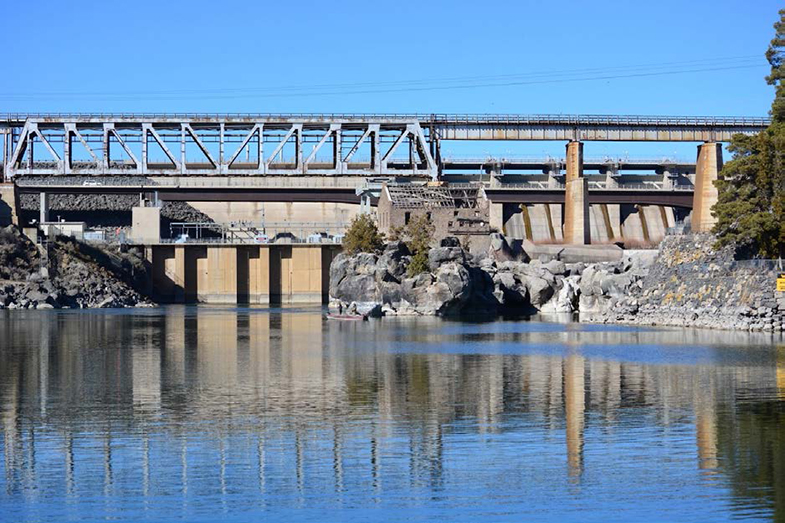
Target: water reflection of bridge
{"x": 288, "y": 391}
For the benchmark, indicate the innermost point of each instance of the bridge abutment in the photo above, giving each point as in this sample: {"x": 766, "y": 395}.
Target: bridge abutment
{"x": 707, "y": 171}
{"x": 576, "y": 198}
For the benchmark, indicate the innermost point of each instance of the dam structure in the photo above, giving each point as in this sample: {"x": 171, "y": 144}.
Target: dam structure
{"x": 319, "y": 170}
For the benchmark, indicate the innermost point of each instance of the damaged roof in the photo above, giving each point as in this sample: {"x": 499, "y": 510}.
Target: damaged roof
{"x": 412, "y": 196}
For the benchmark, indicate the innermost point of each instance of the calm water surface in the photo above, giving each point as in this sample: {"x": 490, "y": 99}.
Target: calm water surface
{"x": 253, "y": 414}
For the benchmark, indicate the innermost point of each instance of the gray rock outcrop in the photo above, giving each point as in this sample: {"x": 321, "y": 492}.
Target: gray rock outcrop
{"x": 684, "y": 283}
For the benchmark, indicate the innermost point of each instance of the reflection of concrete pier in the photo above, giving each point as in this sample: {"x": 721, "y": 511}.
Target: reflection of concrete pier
{"x": 706, "y": 422}
{"x": 574, "y": 408}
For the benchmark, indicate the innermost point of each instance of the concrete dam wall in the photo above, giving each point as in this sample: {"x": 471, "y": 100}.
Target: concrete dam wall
{"x": 240, "y": 274}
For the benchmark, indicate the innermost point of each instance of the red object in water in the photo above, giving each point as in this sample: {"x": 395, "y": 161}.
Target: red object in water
{"x": 347, "y": 317}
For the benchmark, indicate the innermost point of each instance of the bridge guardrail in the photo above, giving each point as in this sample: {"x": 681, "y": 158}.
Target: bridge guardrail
{"x": 432, "y": 118}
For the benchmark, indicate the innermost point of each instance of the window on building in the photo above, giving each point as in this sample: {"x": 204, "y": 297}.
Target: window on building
{"x": 406, "y": 217}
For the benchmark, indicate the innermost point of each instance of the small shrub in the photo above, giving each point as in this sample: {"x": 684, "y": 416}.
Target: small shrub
{"x": 396, "y": 234}
{"x": 363, "y": 236}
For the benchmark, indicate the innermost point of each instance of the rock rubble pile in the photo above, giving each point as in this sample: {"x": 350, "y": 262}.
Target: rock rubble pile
{"x": 67, "y": 275}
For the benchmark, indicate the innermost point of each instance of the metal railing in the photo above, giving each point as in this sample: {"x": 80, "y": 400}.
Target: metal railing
{"x": 547, "y": 160}
{"x": 432, "y": 118}
{"x": 529, "y": 185}
{"x": 324, "y": 183}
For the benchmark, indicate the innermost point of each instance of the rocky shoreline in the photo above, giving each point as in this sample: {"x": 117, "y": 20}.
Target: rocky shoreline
{"x": 68, "y": 274}
{"x": 685, "y": 283}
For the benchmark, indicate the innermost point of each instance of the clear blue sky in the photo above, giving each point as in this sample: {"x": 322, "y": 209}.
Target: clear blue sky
{"x": 620, "y": 57}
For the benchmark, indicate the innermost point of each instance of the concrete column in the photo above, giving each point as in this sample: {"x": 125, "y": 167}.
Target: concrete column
{"x": 496, "y": 216}
{"x": 168, "y": 272}
{"x": 707, "y": 170}
{"x": 574, "y": 161}
{"x": 259, "y": 275}
{"x": 222, "y": 275}
{"x": 176, "y": 271}
{"x": 306, "y": 274}
{"x": 576, "y": 198}
{"x": 8, "y": 210}
{"x": 43, "y": 207}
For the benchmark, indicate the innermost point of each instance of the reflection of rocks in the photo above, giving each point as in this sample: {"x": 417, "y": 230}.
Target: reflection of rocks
{"x": 685, "y": 284}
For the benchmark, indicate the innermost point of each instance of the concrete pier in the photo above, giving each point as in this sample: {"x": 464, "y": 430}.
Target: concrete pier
{"x": 9, "y": 213}
{"x": 576, "y": 198}
{"x": 241, "y": 274}
{"x": 145, "y": 224}
{"x": 707, "y": 171}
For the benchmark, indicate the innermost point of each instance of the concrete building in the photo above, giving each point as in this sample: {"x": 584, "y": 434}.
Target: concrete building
{"x": 460, "y": 211}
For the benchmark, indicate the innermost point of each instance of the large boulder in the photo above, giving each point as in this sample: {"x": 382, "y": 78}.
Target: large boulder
{"x": 565, "y": 299}
{"x": 443, "y": 293}
{"x": 392, "y": 264}
{"x": 540, "y": 291}
{"x": 441, "y": 255}
{"x": 353, "y": 278}
{"x": 500, "y": 250}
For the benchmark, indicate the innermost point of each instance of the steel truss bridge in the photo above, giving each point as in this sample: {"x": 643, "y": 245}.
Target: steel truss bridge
{"x": 305, "y": 144}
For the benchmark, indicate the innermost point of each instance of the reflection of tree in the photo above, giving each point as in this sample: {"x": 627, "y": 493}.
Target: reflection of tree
{"x": 751, "y": 448}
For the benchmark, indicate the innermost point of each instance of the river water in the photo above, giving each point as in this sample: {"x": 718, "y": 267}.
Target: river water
{"x": 205, "y": 414}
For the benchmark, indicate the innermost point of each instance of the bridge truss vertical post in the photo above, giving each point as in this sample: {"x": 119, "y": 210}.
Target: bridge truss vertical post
{"x": 576, "y": 198}
{"x": 707, "y": 171}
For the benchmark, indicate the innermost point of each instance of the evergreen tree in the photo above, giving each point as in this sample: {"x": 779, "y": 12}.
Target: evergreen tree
{"x": 751, "y": 207}
{"x": 363, "y": 236}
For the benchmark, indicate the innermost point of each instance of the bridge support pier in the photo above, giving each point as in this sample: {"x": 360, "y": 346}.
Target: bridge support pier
{"x": 576, "y": 198}
{"x": 43, "y": 207}
{"x": 707, "y": 170}
{"x": 496, "y": 216}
